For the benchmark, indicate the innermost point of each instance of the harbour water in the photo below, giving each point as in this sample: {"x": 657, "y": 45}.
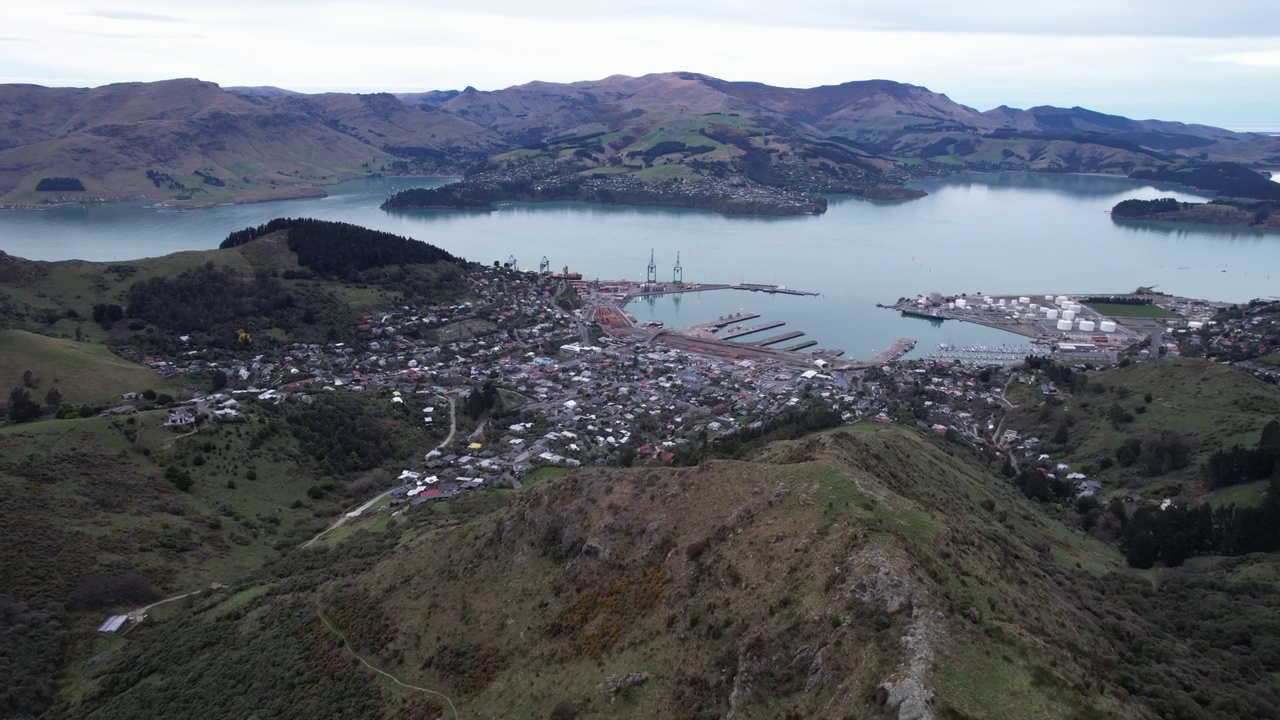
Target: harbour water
{"x": 1010, "y": 233}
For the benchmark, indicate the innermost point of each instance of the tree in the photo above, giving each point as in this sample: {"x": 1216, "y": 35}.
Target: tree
{"x": 30, "y": 379}
{"x": 1062, "y": 436}
{"x": 22, "y": 409}
{"x": 218, "y": 382}
{"x": 1269, "y": 443}
{"x": 53, "y": 397}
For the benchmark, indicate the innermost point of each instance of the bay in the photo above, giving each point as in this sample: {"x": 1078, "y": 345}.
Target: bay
{"x": 1009, "y": 233}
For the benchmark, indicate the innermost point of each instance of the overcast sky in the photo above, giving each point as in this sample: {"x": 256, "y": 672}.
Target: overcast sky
{"x": 1191, "y": 60}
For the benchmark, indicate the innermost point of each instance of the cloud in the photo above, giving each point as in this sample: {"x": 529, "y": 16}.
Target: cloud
{"x": 1109, "y": 18}
{"x": 135, "y": 36}
{"x": 132, "y": 15}
{"x": 4, "y": 38}
{"x": 1262, "y": 58}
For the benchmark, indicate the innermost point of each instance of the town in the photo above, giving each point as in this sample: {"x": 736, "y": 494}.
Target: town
{"x": 587, "y": 386}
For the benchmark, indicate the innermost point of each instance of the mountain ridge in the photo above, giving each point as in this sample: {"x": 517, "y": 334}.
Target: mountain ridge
{"x": 188, "y": 141}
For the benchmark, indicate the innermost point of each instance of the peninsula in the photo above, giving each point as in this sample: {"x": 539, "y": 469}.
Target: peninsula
{"x": 542, "y": 182}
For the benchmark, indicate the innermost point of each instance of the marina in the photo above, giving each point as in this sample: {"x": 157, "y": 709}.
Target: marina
{"x": 987, "y": 355}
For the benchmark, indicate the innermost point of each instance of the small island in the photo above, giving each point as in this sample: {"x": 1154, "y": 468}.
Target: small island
{"x": 889, "y": 192}
{"x": 1265, "y": 215}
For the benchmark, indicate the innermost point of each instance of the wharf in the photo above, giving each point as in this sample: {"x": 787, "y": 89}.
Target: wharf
{"x": 731, "y": 319}
{"x": 744, "y": 351}
{"x": 801, "y": 346}
{"x": 778, "y": 339}
{"x": 741, "y": 331}
{"x": 1032, "y": 324}
{"x": 893, "y": 352}
{"x": 624, "y": 291}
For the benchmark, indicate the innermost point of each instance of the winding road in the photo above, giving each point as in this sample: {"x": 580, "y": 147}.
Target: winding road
{"x": 453, "y": 429}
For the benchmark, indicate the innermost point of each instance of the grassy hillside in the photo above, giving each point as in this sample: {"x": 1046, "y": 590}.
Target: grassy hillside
{"x": 866, "y": 572}
{"x": 82, "y": 372}
{"x": 1203, "y": 404}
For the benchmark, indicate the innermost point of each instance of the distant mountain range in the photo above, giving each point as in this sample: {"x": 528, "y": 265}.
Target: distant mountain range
{"x": 195, "y": 142}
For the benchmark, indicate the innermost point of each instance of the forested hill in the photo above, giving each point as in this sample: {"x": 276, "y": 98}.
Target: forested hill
{"x": 340, "y": 250}
{"x": 1229, "y": 179}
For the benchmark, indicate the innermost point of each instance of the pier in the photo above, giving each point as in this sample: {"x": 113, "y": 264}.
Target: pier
{"x": 778, "y": 338}
{"x": 894, "y": 351}
{"x": 730, "y": 320}
{"x": 751, "y": 330}
{"x": 801, "y": 346}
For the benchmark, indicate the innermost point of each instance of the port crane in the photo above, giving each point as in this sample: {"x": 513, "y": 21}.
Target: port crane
{"x": 651, "y": 275}
{"x": 544, "y": 267}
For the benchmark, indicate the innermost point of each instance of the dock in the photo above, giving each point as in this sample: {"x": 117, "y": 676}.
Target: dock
{"x": 801, "y": 346}
{"x": 753, "y": 329}
{"x": 893, "y": 352}
{"x": 778, "y": 339}
{"x": 731, "y": 319}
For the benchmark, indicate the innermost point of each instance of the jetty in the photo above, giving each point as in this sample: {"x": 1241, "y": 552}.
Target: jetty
{"x": 893, "y": 352}
{"x": 778, "y": 339}
{"x": 751, "y": 330}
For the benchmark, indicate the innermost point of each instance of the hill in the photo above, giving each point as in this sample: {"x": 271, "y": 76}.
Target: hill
{"x": 187, "y": 141}
{"x": 192, "y": 142}
{"x": 866, "y": 572}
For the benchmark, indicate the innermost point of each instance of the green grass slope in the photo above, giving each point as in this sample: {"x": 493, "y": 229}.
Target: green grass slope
{"x": 1204, "y": 404}
{"x": 84, "y": 373}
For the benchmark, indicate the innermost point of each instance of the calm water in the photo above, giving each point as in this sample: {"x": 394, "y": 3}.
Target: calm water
{"x": 1028, "y": 234}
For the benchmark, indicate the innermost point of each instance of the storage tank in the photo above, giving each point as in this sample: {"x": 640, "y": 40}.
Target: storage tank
{"x": 1086, "y": 326}
{"x": 1060, "y": 300}
{"x": 1064, "y": 324}
{"x": 1051, "y": 314}
{"x": 1107, "y": 326}
{"x": 1035, "y": 307}
{"x": 1001, "y": 302}
{"x": 951, "y": 306}
{"x": 961, "y": 303}
{"x": 1195, "y": 324}
{"x": 1024, "y": 300}
{"x": 1048, "y": 298}
{"x": 1068, "y": 314}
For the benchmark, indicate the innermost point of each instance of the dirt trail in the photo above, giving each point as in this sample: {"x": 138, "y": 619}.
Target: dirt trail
{"x": 347, "y": 644}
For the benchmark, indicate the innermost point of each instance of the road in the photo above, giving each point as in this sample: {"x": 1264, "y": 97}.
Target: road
{"x": 453, "y": 429}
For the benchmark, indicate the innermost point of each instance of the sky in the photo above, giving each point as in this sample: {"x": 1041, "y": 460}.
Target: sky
{"x": 1216, "y": 63}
